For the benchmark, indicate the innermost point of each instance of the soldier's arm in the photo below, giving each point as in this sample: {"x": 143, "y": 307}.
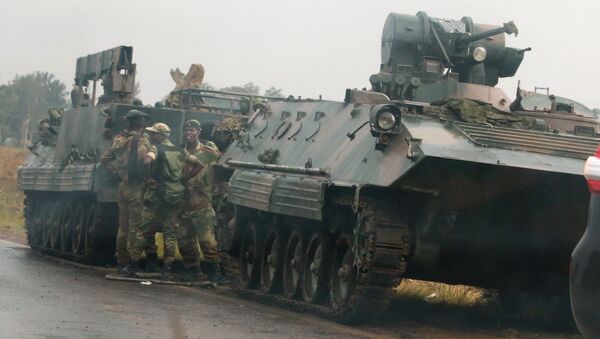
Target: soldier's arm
{"x": 147, "y": 153}
{"x": 196, "y": 165}
{"x": 106, "y": 160}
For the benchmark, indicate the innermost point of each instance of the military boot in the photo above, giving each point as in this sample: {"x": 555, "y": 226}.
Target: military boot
{"x": 193, "y": 274}
{"x": 152, "y": 263}
{"x": 130, "y": 270}
{"x": 167, "y": 271}
{"x": 214, "y": 273}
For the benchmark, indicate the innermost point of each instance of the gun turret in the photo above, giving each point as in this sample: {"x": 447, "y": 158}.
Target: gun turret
{"x": 418, "y": 51}
{"x": 508, "y": 28}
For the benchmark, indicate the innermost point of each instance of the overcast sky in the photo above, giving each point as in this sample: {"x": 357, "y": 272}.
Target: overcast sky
{"x": 306, "y": 48}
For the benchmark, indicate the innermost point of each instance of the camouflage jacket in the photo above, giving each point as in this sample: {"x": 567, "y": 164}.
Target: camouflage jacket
{"x": 121, "y": 160}
{"x": 167, "y": 172}
{"x": 201, "y": 185}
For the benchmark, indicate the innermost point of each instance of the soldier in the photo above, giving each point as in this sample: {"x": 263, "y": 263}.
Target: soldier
{"x": 226, "y": 131}
{"x": 130, "y": 150}
{"x": 198, "y": 217}
{"x": 164, "y": 195}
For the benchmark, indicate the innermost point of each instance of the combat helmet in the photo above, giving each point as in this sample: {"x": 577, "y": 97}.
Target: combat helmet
{"x": 134, "y": 113}
{"x": 160, "y": 128}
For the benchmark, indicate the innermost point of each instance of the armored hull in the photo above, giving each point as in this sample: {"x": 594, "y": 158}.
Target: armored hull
{"x": 432, "y": 174}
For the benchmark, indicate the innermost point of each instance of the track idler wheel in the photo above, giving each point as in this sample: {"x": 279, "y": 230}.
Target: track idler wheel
{"x": 317, "y": 268}
{"x": 293, "y": 265}
{"x": 272, "y": 260}
{"x": 251, "y": 248}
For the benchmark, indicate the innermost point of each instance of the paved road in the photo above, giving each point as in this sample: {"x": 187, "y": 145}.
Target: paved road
{"x": 43, "y": 298}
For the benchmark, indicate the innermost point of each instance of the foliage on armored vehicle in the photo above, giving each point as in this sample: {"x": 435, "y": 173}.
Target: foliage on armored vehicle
{"x": 433, "y": 174}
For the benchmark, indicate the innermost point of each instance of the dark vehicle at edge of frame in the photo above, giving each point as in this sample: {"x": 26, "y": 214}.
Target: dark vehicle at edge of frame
{"x": 585, "y": 260}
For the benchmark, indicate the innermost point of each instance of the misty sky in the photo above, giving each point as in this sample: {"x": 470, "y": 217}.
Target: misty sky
{"x": 306, "y": 48}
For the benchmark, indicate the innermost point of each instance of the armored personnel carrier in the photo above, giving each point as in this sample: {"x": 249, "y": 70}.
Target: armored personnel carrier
{"x": 70, "y": 204}
{"x": 433, "y": 174}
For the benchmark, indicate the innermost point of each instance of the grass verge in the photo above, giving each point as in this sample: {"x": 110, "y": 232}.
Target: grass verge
{"x": 11, "y": 198}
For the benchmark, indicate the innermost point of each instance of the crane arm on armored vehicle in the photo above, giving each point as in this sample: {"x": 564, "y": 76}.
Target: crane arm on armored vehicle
{"x": 114, "y": 68}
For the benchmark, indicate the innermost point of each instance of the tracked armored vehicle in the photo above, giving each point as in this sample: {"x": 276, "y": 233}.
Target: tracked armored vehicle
{"x": 432, "y": 174}
{"x": 70, "y": 204}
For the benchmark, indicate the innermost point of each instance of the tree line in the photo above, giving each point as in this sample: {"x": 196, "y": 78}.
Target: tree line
{"x": 25, "y": 100}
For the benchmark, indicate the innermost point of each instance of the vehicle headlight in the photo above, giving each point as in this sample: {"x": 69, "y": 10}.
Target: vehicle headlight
{"x": 479, "y": 54}
{"x": 386, "y": 120}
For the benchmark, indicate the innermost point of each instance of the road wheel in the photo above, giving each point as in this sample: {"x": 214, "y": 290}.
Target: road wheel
{"x": 35, "y": 228}
{"x": 317, "y": 266}
{"x": 343, "y": 272}
{"x": 90, "y": 225}
{"x": 251, "y": 248}
{"x": 31, "y": 212}
{"x": 56, "y": 226}
{"x": 272, "y": 260}
{"x": 47, "y": 223}
{"x": 79, "y": 229}
{"x": 293, "y": 268}
{"x": 67, "y": 228}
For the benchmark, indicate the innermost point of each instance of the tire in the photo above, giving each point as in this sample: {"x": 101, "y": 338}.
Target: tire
{"x": 251, "y": 248}
{"x": 317, "y": 268}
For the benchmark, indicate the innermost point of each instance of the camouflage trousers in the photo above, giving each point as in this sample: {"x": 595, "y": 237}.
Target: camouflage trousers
{"x": 197, "y": 226}
{"x": 157, "y": 216}
{"x": 129, "y": 199}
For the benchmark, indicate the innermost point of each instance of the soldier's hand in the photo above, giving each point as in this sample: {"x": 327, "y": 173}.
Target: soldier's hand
{"x": 152, "y": 184}
{"x": 192, "y": 159}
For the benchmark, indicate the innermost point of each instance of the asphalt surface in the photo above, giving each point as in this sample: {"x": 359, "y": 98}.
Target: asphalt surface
{"x": 45, "y": 297}
{"x": 41, "y": 297}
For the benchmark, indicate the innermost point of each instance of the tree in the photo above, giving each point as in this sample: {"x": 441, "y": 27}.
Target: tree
{"x": 27, "y": 98}
{"x": 274, "y": 92}
{"x": 249, "y": 88}
{"x": 8, "y": 102}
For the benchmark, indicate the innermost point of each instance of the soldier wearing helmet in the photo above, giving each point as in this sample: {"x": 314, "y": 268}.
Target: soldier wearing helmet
{"x": 198, "y": 217}
{"x": 164, "y": 195}
{"x": 226, "y": 131}
{"x": 130, "y": 150}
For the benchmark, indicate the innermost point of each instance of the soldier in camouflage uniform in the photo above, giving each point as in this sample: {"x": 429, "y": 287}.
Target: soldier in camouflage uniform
{"x": 164, "y": 195}
{"x": 226, "y": 131}
{"x": 126, "y": 157}
{"x": 198, "y": 217}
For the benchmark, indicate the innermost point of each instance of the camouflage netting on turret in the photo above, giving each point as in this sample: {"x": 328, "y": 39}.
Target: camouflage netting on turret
{"x": 269, "y": 156}
{"x": 475, "y": 112}
{"x": 232, "y": 125}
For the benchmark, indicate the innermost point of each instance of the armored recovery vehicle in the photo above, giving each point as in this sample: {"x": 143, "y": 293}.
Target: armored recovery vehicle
{"x": 70, "y": 201}
{"x": 433, "y": 174}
